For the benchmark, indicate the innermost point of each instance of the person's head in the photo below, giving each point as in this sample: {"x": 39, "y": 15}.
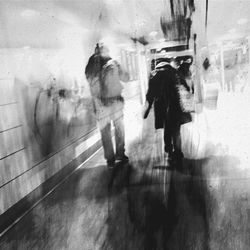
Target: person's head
{"x": 206, "y": 64}
{"x": 174, "y": 63}
{"x": 184, "y": 69}
{"x": 103, "y": 49}
{"x": 97, "y": 49}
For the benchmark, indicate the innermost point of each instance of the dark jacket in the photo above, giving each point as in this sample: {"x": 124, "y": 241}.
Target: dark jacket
{"x": 163, "y": 93}
{"x": 95, "y": 64}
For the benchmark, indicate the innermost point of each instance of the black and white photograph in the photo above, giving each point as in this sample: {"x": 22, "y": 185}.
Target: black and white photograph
{"x": 124, "y": 124}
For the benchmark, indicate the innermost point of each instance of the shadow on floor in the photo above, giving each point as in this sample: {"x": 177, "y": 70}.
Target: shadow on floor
{"x": 151, "y": 207}
{"x": 167, "y": 207}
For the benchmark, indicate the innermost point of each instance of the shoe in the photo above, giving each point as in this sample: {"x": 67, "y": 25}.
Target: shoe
{"x": 110, "y": 164}
{"x": 168, "y": 156}
{"x": 122, "y": 159}
{"x": 177, "y": 156}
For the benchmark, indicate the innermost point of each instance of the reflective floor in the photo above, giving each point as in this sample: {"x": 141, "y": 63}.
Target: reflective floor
{"x": 203, "y": 203}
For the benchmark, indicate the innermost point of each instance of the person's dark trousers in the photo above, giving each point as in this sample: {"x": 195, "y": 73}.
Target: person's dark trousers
{"x": 172, "y": 138}
{"x": 168, "y": 146}
{"x": 119, "y": 137}
{"x": 107, "y": 143}
{"x": 177, "y": 139}
{"x": 119, "y": 141}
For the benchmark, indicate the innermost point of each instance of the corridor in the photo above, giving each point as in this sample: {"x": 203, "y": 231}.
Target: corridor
{"x": 70, "y": 71}
{"x": 201, "y": 204}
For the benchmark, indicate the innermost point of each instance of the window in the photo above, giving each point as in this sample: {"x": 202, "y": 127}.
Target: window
{"x": 130, "y": 63}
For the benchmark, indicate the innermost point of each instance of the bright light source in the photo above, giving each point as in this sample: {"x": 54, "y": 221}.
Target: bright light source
{"x": 242, "y": 21}
{"x": 231, "y": 31}
{"x": 140, "y": 23}
{"x": 28, "y": 14}
{"x": 153, "y": 33}
{"x": 122, "y": 44}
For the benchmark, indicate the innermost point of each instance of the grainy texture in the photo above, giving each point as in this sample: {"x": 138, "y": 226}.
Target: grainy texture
{"x": 204, "y": 204}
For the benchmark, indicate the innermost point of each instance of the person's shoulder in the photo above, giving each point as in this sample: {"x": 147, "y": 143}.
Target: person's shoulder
{"x": 109, "y": 63}
{"x": 166, "y": 70}
{"x": 172, "y": 71}
{"x": 113, "y": 62}
{"x": 92, "y": 57}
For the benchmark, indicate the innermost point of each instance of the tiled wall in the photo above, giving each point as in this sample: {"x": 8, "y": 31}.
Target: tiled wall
{"x": 26, "y": 159}
{"x": 13, "y": 160}
{"x": 20, "y": 171}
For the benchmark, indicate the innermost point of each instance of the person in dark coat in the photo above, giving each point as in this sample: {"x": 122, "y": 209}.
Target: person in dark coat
{"x": 169, "y": 115}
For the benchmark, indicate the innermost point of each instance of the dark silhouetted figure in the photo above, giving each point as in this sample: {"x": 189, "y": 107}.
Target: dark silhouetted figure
{"x": 163, "y": 92}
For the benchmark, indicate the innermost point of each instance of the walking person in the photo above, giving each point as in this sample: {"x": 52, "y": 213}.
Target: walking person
{"x": 104, "y": 76}
{"x": 163, "y": 92}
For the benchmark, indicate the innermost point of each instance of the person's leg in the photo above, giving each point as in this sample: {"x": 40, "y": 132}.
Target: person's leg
{"x": 177, "y": 141}
{"x": 107, "y": 143}
{"x": 118, "y": 121}
{"x": 168, "y": 147}
{"x": 120, "y": 138}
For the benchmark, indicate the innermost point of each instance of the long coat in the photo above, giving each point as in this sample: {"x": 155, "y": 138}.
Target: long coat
{"x": 163, "y": 93}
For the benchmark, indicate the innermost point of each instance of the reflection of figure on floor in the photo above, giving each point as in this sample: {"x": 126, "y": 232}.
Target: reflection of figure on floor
{"x": 104, "y": 75}
{"x": 163, "y": 92}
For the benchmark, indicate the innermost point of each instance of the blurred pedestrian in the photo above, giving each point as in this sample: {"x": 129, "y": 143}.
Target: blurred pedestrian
{"x": 104, "y": 76}
{"x": 163, "y": 92}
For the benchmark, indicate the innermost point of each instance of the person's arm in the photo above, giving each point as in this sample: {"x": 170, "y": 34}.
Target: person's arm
{"x": 89, "y": 67}
{"x": 151, "y": 93}
{"x": 93, "y": 76}
{"x": 153, "y": 84}
{"x": 123, "y": 74}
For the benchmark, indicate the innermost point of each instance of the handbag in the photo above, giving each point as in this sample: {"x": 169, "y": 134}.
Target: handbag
{"x": 186, "y": 97}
